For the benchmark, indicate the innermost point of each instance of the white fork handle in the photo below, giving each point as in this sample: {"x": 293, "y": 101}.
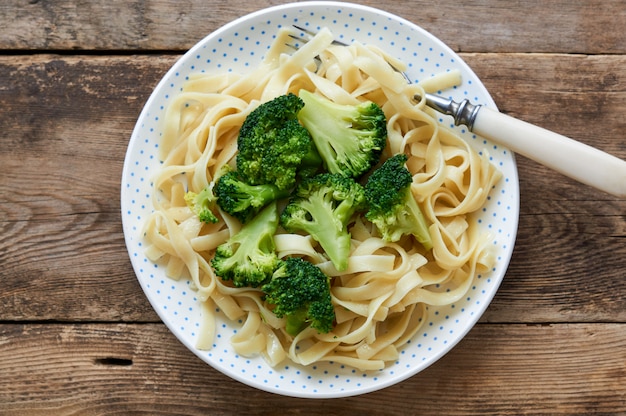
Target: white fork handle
{"x": 577, "y": 160}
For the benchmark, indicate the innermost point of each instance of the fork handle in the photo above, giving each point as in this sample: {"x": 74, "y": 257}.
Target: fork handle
{"x": 571, "y": 158}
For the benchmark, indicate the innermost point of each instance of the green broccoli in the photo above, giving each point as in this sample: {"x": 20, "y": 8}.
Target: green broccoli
{"x": 248, "y": 258}
{"x": 349, "y": 138}
{"x": 300, "y": 291}
{"x": 274, "y": 148}
{"x": 202, "y": 204}
{"x": 322, "y": 206}
{"x": 242, "y": 200}
{"x": 391, "y": 204}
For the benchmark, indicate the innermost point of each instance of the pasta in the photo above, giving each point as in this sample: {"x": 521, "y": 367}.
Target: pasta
{"x": 383, "y": 297}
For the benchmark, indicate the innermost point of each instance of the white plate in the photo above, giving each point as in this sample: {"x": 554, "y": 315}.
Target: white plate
{"x": 239, "y": 46}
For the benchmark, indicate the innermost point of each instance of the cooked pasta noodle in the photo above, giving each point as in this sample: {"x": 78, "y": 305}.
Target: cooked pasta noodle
{"x": 382, "y": 299}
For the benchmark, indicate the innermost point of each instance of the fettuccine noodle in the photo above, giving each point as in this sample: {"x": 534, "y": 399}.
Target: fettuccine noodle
{"x": 381, "y": 300}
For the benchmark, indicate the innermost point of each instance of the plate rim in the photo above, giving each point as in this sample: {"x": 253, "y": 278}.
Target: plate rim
{"x": 504, "y": 261}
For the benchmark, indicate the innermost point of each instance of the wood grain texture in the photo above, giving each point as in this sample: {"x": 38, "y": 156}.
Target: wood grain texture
{"x": 77, "y": 335}
{"x": 61, "y": 229}
{"x": 575, "y": 95}
{"x": 91, "y": 369}
{"x": 72, "y": 117}
{"x": 467, "y": 26}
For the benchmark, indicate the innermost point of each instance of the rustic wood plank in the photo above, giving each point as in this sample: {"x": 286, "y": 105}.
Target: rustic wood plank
{"x": 497, "y": 369}
{"x": 589, "y": 27}
{"x": 61, "y": 224}
{"x": 575, "y": 95}
{"x": 77, "y": 335}
{"x": 60, "y": 232}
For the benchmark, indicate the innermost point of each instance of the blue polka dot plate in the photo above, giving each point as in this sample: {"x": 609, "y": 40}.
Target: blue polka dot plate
{"x": 239, "y": 46}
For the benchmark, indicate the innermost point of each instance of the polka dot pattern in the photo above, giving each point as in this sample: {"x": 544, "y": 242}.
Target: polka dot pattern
{"x": 238, "y": 47}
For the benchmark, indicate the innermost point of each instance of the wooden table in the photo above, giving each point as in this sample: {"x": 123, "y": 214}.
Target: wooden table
{"x": 77, "y": 334}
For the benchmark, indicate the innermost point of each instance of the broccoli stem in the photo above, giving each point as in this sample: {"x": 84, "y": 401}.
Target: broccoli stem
{"x": 349, "y": 138}
{"x": 248, "y": 258}
{"x": 329, "y": 231}
{"x": 296, "y": 321}
{"x": 415, "y": 221}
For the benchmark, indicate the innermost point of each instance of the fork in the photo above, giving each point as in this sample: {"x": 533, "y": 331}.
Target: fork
{"x": 572, "y": 158}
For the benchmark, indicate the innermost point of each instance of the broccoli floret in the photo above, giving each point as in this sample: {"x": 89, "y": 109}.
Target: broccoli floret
{"x": 391, "y": 204}
{"x": 242, "y": 200}
{"x": 249, "y": 258}
{"x": 349, "y": 138}
{"x": 274, "y": 148}
{"x": 300, "y": 291}
{"x": 202, "y": 204}
{"x": 322, "y": 206}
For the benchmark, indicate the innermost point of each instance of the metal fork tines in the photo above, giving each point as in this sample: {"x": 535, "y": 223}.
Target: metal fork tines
{"x": 463, "y": 112}
{"x": 310, "y": 34}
